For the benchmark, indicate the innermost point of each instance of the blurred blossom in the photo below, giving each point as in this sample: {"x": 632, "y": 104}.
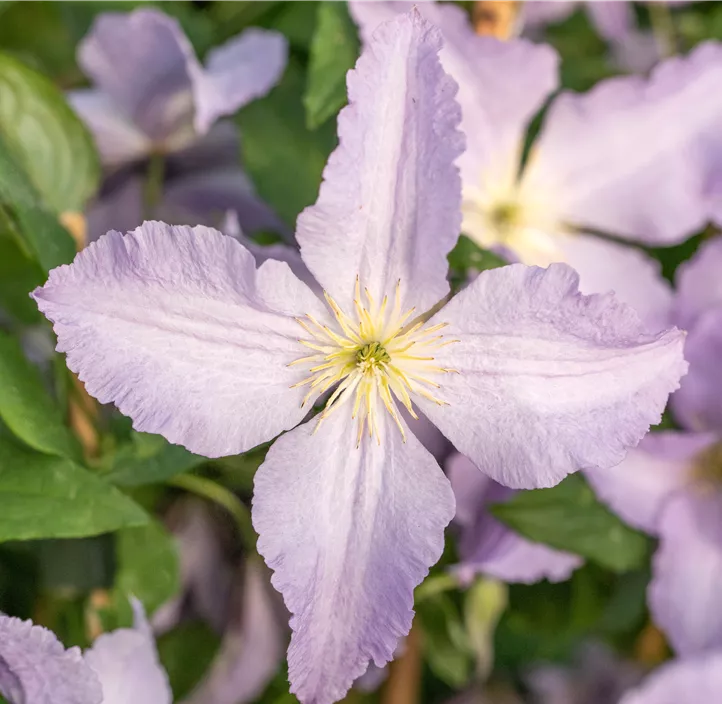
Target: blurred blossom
{"x": 487, "y": 546}
{"x": 633, "y": 158}
{"x": 671, "y": 485}
{"x": 151, "y": 93}
{"x": 522, "y": 373}
{"x": 120, "y": 668}
{"x": 696, "y": 680}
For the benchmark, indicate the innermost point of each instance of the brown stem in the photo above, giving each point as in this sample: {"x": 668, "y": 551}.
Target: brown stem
{"x": 404, "y": 683}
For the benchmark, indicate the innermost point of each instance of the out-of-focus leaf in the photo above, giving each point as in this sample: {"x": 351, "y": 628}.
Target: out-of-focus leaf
{"x": 52, "y": 497}
{"x": 334, "y": 50}
{"x": 283, "y": 157}
{"x": 75, "y": 566}
{"x": 25, "y": 406}
{"x": 46, "y": 137}
{"x": 147, "y": 459}
{"x": 569, "y": 517}
{"x": 18, "y": 276}
{"x": 27, "y": 219}
{"x": 148, "y": 566}
{"x": 297, "y": 20}
{"x": 484, "y": 603}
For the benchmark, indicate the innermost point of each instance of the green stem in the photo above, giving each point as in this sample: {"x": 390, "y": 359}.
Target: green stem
{"x": 663, "y": 29}
{"x": 153, "y": 187}
{"x": 208, "y": 489}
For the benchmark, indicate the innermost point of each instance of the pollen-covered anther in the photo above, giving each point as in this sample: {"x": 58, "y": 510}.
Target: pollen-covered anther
{"x": 375, "y": 355}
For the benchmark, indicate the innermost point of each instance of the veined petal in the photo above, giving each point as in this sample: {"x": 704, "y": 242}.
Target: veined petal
{"x": 35, "y": 668}
{"x": 487, "y": 546}
{"x": 350, "y": 532}
{"x": 698, "y": 403}
{"x": 177, "y": 327}
{"x": 389, "y": 205}
{"x": 142, "y": 60}
{"x": 609, "y": 171}
{"x": 637, "y": 488}
{"x": 699, "y": 285}
{"x": 502, "y": 84}
{"x": 244, "y": 68}
{"x": 549, "y": 381}
{"x": 697, "y": 680}
{"x": 684, "y": 595}
{"x": 117, "y": 139}
{"x": 126, "y": 662}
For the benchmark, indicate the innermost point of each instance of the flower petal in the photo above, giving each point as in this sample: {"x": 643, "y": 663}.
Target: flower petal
{"x": 177, "y": 327}
{"x": 635, "y": 278}
{"x": 244, "y": 68}
{"x": 490, "y": 548}
{"x": 697, "y": 680}
{"x": 502, "y": 84}
{"x": 35, "y": 668}
{"x": 389, "y": 205}
{"x": 637, "y": 488}
{"x": 699, "y": 285}
{"x": 607, "y": 170}
{"x": 613, "y": 21}
{"x": 698, "y": 403}
{"x": 141, "y": 60}
{"x": 684, "y": 595}
{"x": 549, "y": 381}
{"x": 350, "y": 531}
{"x": 117, "y": 139}
{"x": 126, "y": 662}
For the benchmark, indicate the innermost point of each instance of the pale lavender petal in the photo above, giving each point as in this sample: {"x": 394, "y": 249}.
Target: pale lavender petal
{"x": 252, "y": 648}
{"x": 35, "y": 668}
{"x": 428, "y": 435}
{"x": 177, "y": 327}
{"x": 141, "y": 60}
{"x": 604, "y": 168}
{"x": 684, "y": 594}
{"x": 542, "y": 12}
{"x": 698, "y": 403}
{"x": 117, "y": 139}
{"x": 699, "y": 284}
{"x": 502, "y": 84}
{"x": 549, "y": 381}
{"x": 614, "y": 21}
{"x": 126, "y": 662}
{"x": 350, "y": 532}
{"x": 697, "y": 681}
{"x": 637, "y": 488}
{"x": 389, "y": 206}
{"x": 244, "y": 68}
{"x": 636, "y": 53}
{"x": 633, "y": 276}
{"x": 487, "y": 546}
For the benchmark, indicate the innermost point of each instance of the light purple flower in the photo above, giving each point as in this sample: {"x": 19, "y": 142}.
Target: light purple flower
{"x": 152, "y": 94}
{"x": 597, "y": 165}
{"x": 120, "y": 668}
{"x": 530, "y": 379}
{"x": 671, "y": 485}
{"x": 696, "y": 680}
{"x": 487, "y": 546}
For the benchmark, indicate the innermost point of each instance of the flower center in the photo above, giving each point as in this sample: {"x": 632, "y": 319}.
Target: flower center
{"x": 376, "y": 355}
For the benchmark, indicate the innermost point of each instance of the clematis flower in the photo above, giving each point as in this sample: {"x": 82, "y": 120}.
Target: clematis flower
{"x": 121, "y": 667}
{"x": 632, "y": 158}
{"x": 486, "y": 546}
{"x": 697, "y": 680}
{"x": 151, "y": 93}
{"x": 671, "y": 485}
{"x": 528, "y": 378}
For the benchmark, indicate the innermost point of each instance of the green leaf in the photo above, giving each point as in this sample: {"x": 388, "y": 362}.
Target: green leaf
{"x": 149, "y": 459}
{"x": 148, "y": 566}
{"x": 19, "y": 275}
{"x": 52, "y": 497}
{"x": 468, "y": 255}
{"x": 282, "y": 156}
{"x": 569, "y": 517}
{"x": 334, "y": 51}
{"x": 46, "y": 137}
{"x": 25, "y": 406}
{"x": 484, "y": 603}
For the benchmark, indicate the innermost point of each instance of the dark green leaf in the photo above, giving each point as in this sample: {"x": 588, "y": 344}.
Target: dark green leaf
{"x": 51, "y": 497}
{"x": 334, "y": 50}
{"x": 569, "y": 517}
{"x": 468, "y": 255}
{"x": 283, "y": 157}
{"x": 25, "y": 406}
{"x": 75, "y": 566}
{"x": 47, "y": 139}
{"x": 19, "y": 275}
